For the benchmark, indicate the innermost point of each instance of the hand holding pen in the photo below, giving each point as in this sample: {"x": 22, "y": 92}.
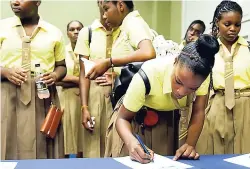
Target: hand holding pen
{"x": 139, "y": 152}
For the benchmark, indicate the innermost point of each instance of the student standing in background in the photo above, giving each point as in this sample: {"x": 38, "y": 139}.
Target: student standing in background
{"x": 70, "y": 95}
{"x": 227, "y": 121}
{"x": 22, "y": 112}
{"x": 134, "y": 43}
{"x": 95, "y": 95}
{"x": 195, "y": 29}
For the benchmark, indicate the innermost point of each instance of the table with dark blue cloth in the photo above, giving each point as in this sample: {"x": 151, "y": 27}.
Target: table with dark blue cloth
{"x": 205, "y": 162}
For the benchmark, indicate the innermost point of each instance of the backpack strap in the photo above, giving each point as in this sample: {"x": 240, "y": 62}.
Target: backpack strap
{"x": 90, "y": 34}
{"x": 145, "y": 80}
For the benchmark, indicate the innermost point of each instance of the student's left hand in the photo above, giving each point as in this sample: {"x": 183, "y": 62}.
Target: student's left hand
{"x": 49, "y": 78}
{"x": 106, "y": 79}
{"x": 186, "y": 151}
{"x": 99, "y": 69}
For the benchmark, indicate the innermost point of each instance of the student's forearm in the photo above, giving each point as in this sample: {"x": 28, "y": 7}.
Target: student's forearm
{"x": 71, "y": 78}
{"x": 60, "y": 70}
{"x": 124, "y": 130}
{"x": 137, "y": 56}
{"x": 84, "y": 85}
{"x": 66, "y": 84}
{"x": 195, "y": 127}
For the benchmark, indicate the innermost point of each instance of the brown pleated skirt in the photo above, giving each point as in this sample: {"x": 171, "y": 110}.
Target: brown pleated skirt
{"x": 72, "y": 120}
{"x": 225, "y": 131}
{"x": 100, "y": 107}
{"x": 20, "y": 125}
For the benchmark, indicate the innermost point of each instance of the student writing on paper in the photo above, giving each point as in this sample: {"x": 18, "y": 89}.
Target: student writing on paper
{"x": 172, "y": 81}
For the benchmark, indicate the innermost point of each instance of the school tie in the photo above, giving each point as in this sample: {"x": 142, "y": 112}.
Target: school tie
{"x": 76, "y": 63}
{"x": 25, "y": 92}
{"x": 229, "y": 79}
{"x": 109, "y": 42}
{"x": 26, "y": 86}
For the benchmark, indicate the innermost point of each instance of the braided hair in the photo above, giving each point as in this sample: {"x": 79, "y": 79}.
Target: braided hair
{"x": 198, "y": 56}
{"x": 224, "y": 7}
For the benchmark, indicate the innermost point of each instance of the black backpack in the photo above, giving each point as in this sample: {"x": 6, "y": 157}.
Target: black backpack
{"x": 122, "y": 82}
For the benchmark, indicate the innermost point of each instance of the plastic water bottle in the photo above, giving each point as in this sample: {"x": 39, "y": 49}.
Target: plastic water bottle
{"x": 42, "y": 88}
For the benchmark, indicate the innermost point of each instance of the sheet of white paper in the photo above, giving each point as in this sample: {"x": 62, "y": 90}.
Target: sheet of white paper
{"x": 243, "y": 160}
{"x": 160, "y": 162}
{"x": 88, "y": 64}
{"x": 8, "y": 165}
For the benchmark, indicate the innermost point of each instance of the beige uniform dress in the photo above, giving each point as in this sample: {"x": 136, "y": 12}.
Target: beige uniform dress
{"x": 227, "y": 131}
{"x": 159, "y": 138}
{"x": 70, "y": 102}
{"x": 99, "y": 104}
{"x": 21, "y": 121}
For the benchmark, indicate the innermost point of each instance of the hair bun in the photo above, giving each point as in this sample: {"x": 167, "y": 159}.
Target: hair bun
{"x": 207, "y": 46}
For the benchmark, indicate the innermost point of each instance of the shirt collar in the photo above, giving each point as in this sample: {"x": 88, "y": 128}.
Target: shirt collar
{"x": 129, "y": 15}
{"x": 240, "y": 40}
{"x": 41, "y": 23}
{"x": 69, "y": 48}
{"x": 97, "y": 24}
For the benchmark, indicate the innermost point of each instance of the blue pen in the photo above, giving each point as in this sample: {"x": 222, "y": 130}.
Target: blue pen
{"x": 143, "y": 145}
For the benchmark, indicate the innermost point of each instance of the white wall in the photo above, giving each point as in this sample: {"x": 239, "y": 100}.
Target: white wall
{"x": 204, "y": 10}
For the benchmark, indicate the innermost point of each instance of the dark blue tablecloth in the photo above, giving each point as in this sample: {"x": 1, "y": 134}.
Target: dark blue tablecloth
{"x": 205, "y": 162}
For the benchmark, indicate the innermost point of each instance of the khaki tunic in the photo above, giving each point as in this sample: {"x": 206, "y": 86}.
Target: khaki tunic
{"x": 20, "y": 126}
{"x": 100, "y": 107}
{"x": 225, "y": 131}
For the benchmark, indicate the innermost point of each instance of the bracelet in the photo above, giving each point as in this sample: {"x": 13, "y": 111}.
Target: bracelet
{"x": 84, "y": 106}
{"x": 111, "y": 62}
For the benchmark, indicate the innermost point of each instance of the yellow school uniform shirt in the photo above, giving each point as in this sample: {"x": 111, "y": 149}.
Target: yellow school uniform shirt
{"x": 97, "y": 48}
{"x": 241, "y": 66}
{"x": 47, "y": 47}
{"x": 132, "y": 31}
{"x": 159, "y": 72}
{"x": 72, "y": 61}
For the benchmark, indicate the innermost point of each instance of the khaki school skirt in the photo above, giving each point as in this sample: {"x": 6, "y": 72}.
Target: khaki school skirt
{"x": 20, "y": 125}
{"x": 226, "y": 131}
{"x": 160, "y": 138}
{"x": 72, "y": 120}
{"x": 100, "y": 107}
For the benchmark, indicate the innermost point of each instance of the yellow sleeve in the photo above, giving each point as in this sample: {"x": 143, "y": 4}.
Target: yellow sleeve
{"x": 138, "y": 31}
{"x": 135, "y": 96}
{"x": 60, "y": 49}
{"x": 203, "y": 89}
{"x": 82, "y": 44}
